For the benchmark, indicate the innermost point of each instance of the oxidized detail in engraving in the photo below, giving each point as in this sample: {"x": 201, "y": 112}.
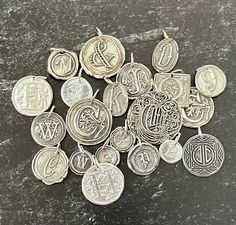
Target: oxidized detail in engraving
{"x": 103, "y": 184}
{"x": 108, "y": 154}
{"x": 199, "y": 111}
{"x": 48, "y": 129}
{"x": 203, "y": 155}
{"x": 210, "y": 80}
{"x": 32, "y": 95}
{"x": 175, "y": 85}
{"x": 115, "y": 97}
{"x": 143, "y": 159}
{"x": 62, "y": 64}
{"x": 89, "y": 121}
{"x": 50, "y": 165}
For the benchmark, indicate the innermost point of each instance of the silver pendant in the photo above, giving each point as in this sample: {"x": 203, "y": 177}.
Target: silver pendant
{"x": 210, "y": 80}
{"x": 176, "y": 85}
{"x": 103, "y": 183}
{"x": 171, "y": 151}
{"x": 102, "y": 56}
{"x": 165, "y": 54}
{"x": 76, "y": 89}
{"x": 80, "y": 161}
{"x": 143, "y": 159}
{"x": 136, "y": 78}
{"x": 48, "y": 128}
{"x": 115, "y": 97}
{"x": 50, "y": 165}
{"x": 89, "y": 121}
{"x": 32, "y": 95}
{"x": 122, "y": 139}
{"x": 203, "y": 155}
{"x": 200, "y": 110}
{"x": 62, "y": 64}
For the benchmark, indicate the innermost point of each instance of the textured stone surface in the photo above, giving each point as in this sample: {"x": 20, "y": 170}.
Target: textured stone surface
{"x": 206, "y": 34}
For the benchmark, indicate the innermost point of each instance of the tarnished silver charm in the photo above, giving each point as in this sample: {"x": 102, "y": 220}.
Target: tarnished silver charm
{"x": 32, "y": 95}
{"x": 80, "y": 161}
{"x": 76, "y": 89}
{"x": 165, "y": 55}
{"x": 203, "y": 155}
{"x": 48, "y": 128}
{"x": 200, "y": 110}
{"x": 89, "y": 121}
{"x": 103, "y": 183}
{"x": 136, "y": 78}
{"x": 50, "y": 165}
{"x": 143, "y": 159}
{"x": 210, "y": 80}
{"x": 62, "y": 64}
{"x": 176, "y": 85}
{"x": 102, "y": 56}
{"x": 115, "y": 97}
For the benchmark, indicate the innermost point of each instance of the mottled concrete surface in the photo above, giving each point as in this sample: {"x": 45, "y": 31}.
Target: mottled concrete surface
{"x": 206, "y": 33}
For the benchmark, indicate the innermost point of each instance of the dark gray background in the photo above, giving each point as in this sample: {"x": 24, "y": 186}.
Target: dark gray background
{"x": 206, "y": 33}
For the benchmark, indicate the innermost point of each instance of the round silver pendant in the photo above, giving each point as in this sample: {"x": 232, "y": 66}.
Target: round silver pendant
{"x": 210, "y": 80}
{"x": 103, "y": 184}
{"x": 203, "y": 155}
{"x": 48, "y": 129}
{"x": 171, "y": 151}
{"x": 32, "y": 95}
{"x": 122, "y": 140}
{"x": 143, "y": 159}
{"x": 200, "y": 110}
{"x": 62, "y": 64}
{"x": 89, "y": 122}
{"x": 165, "y": 55}
{"x": 102, "y": 56}
{"x": 136, "y": 78}
{"x": 115, "y": 97}
{"x": 50, "y": 165}
{"x": 108, "y": 154}
{"x": 75, "y": 89}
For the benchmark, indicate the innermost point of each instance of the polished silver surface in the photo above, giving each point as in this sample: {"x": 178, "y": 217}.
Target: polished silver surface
{"x": 108, "y": 154}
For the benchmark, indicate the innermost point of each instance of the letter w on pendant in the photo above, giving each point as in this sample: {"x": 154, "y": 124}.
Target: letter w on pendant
{"x": 47, "y": 130}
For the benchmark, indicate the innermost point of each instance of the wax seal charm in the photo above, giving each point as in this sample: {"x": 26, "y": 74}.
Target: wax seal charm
{"x": 165, "y": 55}
{"x": 102, "y": 56}
{"x": 50, "y": 165}
{"x": 48, "y": 128}
{"x": 32, "y": 95}
{"x": 203, "y": 155}
{"x": 210, "y": 80}
{"x": 176, "y": 85}
{"x": 103, "y": 183}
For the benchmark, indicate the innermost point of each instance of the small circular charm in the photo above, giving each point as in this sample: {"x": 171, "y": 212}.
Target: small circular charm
{"x": 50, "y": 165}
{"x": 200, "y": 110}
{"x": 62, "y": 64}
{"x": 102, "y": 56}
{"x": 171, "y": 151}
{"x": 203, "y": 155}
{"x": 210, "y": 80}
{"x": 103, "y": 184}
{"x": 108, "y": 154}
{"x": 32, "y": 95}
{"x": 143, "y": 159}
{"x": 48, "y": 129}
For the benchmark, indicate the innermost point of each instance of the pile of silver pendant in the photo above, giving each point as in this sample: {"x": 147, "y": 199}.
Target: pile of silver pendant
{"x": 161, "y": 105}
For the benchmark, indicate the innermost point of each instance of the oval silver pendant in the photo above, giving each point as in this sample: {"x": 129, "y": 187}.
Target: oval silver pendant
{"x": 62, "y": 64}
{"x": 115, "y": 97}
{"x": 103, "y": 184}
{"x": 210, "y": 80}
{"x": 32, "y": 95}
{"x": 165, "y": 55}
{"x": 50, "y": 165}
{"x": 143, "y": 159}
{"x": 108, "y": 154}
{"x": 48, "y": 129}
{"x": 203, "y": 155}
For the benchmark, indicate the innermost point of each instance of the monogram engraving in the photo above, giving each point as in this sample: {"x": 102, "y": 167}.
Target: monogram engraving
{"x": 51, "y": 165}
{"x": 166, "y": 50}
{"x": 81, "y": 161}
{"x": 47, "y": 130}
{"x": 144, "y": 158}
{"x": 63, "y": 64}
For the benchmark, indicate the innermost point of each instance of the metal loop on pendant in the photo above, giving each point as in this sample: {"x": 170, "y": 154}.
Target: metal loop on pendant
{"x": 177, "y": 138}
{"x": 177, "y": 71}
{"x": 139, "y": 142}
{"x": 199, "y": 131}
{"x": 51, "y": 110}
{"x": 108, "y": 80}
{"x": 80, "y": 73}
{"x": 80, "y": 147}
{"x": 58, "y": 146}
{"x": 99, "y": 32}
{"x": 165, "y": 34}
{"x": 126, "y": 126}
{"x": 95, "y": 161}
{"x": 94, "y": 96}
{"x": 106, "y": 142}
